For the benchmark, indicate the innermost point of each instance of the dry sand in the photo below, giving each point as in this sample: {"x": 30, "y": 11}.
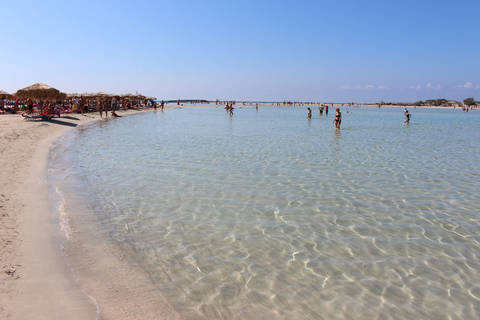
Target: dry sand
{"x": 35, "y": 282}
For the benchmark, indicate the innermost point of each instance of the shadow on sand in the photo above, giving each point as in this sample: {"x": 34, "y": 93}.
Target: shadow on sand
{"x": 64, "y": 123}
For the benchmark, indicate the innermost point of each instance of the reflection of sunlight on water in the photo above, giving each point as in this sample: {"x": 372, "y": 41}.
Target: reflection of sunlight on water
{"x": 251, "y": 216}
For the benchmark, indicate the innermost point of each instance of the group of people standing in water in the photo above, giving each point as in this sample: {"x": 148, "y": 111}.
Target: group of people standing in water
{"x": 338, "y": 115}
{"x": 229, "y": 108}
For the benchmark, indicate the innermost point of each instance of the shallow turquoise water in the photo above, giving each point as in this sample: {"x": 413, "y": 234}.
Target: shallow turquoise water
{"x": 268, "y": 214}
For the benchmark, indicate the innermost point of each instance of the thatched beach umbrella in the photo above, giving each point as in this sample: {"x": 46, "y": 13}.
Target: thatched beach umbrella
{"x": 5, "y": 95}
{"x": 71, "y": 95}
{"x": 101, "y": 95}
{"x": 127, "y": 96}
{"x": 40, "y": 91}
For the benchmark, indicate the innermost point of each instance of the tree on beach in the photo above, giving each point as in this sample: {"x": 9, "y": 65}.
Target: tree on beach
{"x": 469, "y": 101}
{"x": 419, "y": 103}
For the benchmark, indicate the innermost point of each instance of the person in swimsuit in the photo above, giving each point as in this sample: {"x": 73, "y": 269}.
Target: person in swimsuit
{"x": 114, "y": 114}
{"x": 309, "y": 113}
{"x": 30, "y": 105}
{"x": 408, "y": 115}
{"x": 338, "y": 118}
{"x": 99, "y": 107}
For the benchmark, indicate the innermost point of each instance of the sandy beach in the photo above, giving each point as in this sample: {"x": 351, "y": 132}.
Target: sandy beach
{"x": 35, "y": 280}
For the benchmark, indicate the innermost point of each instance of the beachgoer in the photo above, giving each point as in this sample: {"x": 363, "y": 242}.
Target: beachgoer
{"x": 338, "y": 118}
{"x": 408, "y": 115}
{"x": 326, "y": 110}
{"x": 309, "y": 116}
{"x": 99, "y": 108}
{"x": 30, "y": 105}
{"x": 56, "y": 111}
{"x": 105, "y": 107}
{"x": 321, "y": 109}
{"x": 114, "y": 114}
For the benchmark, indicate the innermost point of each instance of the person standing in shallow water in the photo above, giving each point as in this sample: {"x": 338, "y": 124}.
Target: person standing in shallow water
{"x": 408, "y": 115}
{"x": 309, "y": 116}
{"x": 338, "y": 118}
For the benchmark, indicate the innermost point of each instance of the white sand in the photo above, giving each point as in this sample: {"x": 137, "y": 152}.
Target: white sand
{"x": 35, "y": 282}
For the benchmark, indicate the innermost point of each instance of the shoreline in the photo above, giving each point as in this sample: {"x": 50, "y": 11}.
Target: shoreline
{"x": 36, "y": 281}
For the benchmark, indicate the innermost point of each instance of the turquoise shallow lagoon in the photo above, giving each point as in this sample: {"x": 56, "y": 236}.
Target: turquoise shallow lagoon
{"x": 269, "y": 214}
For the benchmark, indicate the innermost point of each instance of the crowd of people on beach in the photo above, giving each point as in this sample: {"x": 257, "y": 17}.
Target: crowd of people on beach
{"x": 76, "y": 105}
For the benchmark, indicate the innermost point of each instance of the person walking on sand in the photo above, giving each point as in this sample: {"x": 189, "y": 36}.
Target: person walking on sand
{"x": 338, "y": 118}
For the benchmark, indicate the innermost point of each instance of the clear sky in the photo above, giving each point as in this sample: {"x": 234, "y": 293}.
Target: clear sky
{"x": 298, "y": 50}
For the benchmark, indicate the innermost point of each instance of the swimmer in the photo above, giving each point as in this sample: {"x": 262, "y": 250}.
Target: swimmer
{"x": 309, "y": 116}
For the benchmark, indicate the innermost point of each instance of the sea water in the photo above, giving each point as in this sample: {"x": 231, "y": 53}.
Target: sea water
{"x": 267, "y": 214}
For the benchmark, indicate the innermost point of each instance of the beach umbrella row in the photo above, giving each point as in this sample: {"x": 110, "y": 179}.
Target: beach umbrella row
{"x": 104, "y": 95}
{"x": 41, "y": 91}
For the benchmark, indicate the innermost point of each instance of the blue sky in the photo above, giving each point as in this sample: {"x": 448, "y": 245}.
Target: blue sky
{"x": 323, "y": 51}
